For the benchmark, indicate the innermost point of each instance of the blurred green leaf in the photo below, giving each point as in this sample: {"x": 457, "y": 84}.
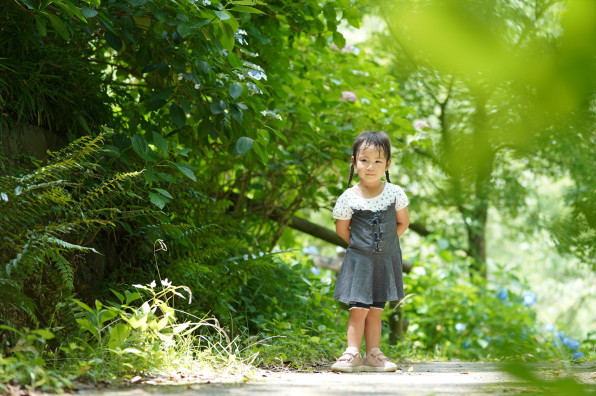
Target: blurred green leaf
{"x": 235, "y": 90}
{"x": 178, "y": 115}
{"x": 244, "y": 145}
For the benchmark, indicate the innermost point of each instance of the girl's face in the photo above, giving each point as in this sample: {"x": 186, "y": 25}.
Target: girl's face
{"x": 371, "y": 163}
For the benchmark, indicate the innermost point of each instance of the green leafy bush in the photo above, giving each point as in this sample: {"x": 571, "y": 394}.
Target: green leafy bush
{"x": 453, "y": 315}
{"x": 141, "y": 333}
{"x": 289, "y": 315}
{"x": 49, "y": 217}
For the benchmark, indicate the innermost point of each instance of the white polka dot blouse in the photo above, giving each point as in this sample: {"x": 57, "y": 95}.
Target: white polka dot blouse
{"x": 349, "y": 201}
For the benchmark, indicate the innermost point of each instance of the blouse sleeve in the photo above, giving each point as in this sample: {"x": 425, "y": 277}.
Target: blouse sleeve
{"x": 401, "y": 200}
{"x": 342, "y": 209}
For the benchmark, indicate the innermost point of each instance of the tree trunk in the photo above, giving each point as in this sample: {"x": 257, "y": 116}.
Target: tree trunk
{"x": 484, "y": 156}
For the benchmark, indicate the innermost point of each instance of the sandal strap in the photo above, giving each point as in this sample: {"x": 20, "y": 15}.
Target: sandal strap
{"x": 380, "y": 356}
{"x": 349, "y": 356}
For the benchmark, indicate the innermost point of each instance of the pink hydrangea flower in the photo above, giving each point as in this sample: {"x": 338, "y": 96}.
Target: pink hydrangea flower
{"x": 348, "y": 96}
{"x": 346, "y": 49}
{"x": 419, "y": 124}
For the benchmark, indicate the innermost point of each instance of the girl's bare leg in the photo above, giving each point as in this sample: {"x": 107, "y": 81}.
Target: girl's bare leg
{"x": 372, "y": 329}
{"x": 356, "y": 327}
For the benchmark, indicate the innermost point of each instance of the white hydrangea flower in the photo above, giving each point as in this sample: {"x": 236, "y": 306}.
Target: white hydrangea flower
{"x": 271, "y": 114}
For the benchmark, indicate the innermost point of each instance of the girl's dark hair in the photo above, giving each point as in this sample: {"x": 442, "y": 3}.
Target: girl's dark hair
{"x": 379, "y": 140}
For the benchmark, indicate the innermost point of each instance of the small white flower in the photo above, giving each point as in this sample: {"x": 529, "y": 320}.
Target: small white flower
{"x": 206, "y": 2}
{"x": 197, "y": 86}
{"x": 364, "y": 101}
{"x": 166, "y": 283}
{"x": 4, "y": 197}
{"x": 138, "y": 286}
{"x": 152, "y": 284}
{"x": 179, "y": 295}
{"x": 271, "y": 114}
{"x": 241, "y": 31}
{"x": 180, "y": 76}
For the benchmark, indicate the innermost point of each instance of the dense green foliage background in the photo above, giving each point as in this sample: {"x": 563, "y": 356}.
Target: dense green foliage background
{"x": 197, "y": 129}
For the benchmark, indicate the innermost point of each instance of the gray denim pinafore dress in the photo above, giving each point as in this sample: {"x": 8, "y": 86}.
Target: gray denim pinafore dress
{"x": 371, "y": 270}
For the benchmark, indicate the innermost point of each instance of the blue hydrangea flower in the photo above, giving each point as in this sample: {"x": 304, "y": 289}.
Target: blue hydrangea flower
{"x": 257, "y": 74}
{"x": 310, "y": 250}
{"x": 559, "y": 336}
{"x": 529, "y": 298}
{"x": 578, "y": 355}
{"x": 315, "y": 270}
{"x": 503, "y": 294}
{"x": 466, "y": 344}
{"x": 549, "y": 328}
{"x": 460, "y": 327}
{"x": 571, "y": 343}
{"x": 253, "y": 88}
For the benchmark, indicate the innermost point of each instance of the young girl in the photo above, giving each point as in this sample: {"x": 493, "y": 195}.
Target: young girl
{"x": 370, "y": 218}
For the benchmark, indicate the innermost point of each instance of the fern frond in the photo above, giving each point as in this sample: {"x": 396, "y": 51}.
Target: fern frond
{"x": 69, "y": 246}
{"x": 108, "y": 186}
{"x": 26, "y": 255}
{"x": 80, "y": 148}
{"x": 63, "y": 267}
{"x": 178, "y": 232}
{"x": 198, "y": 231}
{"x": 75, "y": 226}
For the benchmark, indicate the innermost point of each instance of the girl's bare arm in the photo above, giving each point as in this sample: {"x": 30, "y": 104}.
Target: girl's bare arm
{"x": 342, "y": 227}
{"x": 403, "y": 221}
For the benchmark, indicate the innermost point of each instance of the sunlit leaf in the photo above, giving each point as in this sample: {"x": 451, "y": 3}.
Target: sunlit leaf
{"x": 186, "y": 169}
{"x": 222, "y": 15}
{"x": 158, "y": 200}
{"x": 118, "y": 335}
{"x": 160, "y": 142}
{"x": 247, "y": 9}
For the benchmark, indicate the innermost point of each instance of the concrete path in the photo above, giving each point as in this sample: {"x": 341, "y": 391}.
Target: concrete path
{"x": 431, "y": 378}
